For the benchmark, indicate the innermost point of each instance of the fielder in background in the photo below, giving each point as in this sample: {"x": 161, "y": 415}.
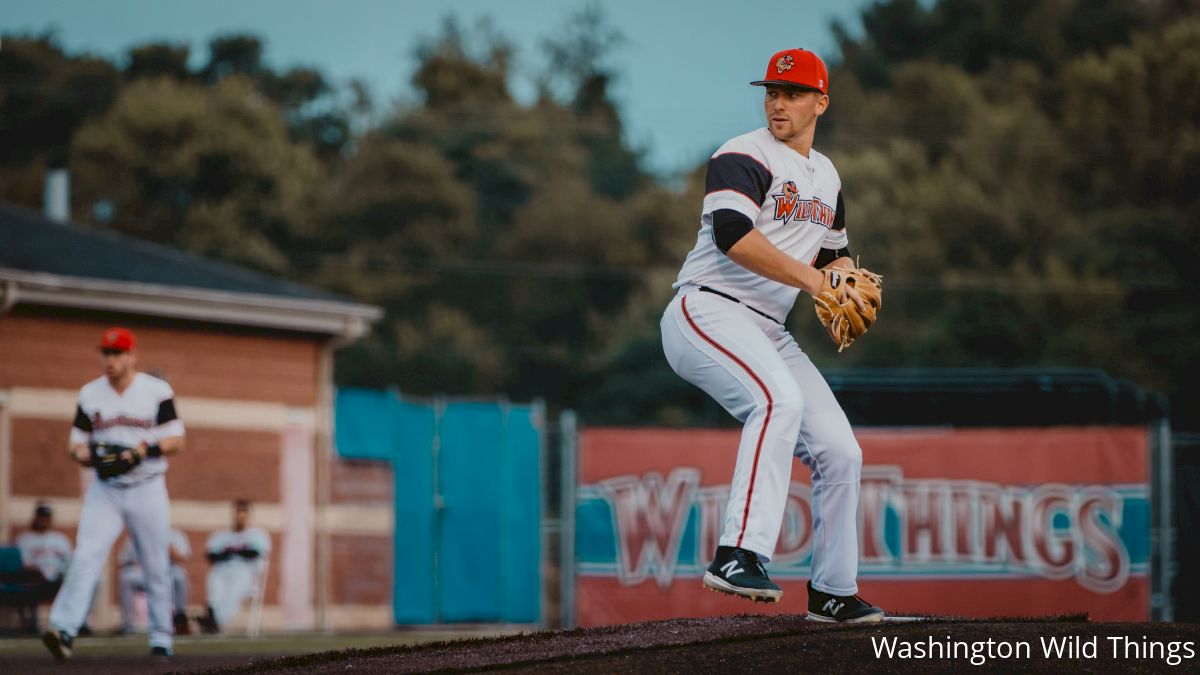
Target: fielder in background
{"x": 125, "y": 427}
{"x": 132, "y": 579}
{"x": 238, "y": 557}
{"x": 773, "y": 223}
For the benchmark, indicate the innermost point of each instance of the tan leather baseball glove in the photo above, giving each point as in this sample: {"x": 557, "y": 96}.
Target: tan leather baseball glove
{"x": 841, "y": 315}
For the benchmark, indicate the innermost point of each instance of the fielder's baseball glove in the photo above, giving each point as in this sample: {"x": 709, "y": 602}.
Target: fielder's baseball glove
{"x": 110, "y": 460}
{"x": 843, "y": 318}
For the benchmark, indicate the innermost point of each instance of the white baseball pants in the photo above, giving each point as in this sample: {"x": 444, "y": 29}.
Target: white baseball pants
{"x": 753, "y": 367}
{"x": 107, "y": 510}
{"x": 230, "y": 583}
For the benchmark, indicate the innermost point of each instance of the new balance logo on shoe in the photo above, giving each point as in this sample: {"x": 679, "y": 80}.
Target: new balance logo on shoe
{"x": 832, "y": 608}
{"x": 730, "y": 568}
{"x": 737, "y": 571}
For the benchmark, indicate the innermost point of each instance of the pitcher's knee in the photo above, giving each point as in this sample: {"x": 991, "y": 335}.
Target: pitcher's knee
{"x": 842, "y": 463}
{"x": 790, "y": 407}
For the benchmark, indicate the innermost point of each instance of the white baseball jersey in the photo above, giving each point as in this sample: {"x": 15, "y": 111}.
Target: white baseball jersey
{"x": 144, "y": 412}
{"x": 231, "y": 580}
{"x": 249, "y": 539}
{"x": 49, "y": 552}
{"x": 793, "y": 200}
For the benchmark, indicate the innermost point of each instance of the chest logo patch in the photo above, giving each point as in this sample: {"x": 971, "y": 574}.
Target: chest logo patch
{"x": 789, "y": 207}
{"x": 99, "y": 422}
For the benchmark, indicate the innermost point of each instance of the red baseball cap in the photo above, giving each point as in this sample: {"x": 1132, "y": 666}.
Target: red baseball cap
{"x": 118, "y": 338}
{"x": 796, "y": 68}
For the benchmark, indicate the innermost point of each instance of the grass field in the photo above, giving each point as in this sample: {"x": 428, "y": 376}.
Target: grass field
{"x": 284, "y": 644}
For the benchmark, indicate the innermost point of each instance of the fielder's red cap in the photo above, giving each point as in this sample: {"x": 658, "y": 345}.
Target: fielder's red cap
{"x": 796, "y": 68}
{"x": 118, "y": 338}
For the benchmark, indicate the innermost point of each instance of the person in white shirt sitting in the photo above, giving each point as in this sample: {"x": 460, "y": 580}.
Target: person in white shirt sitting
{"x": 237, "y": 557}
{"x": 45, "y": 553}
{"x": 44, "y": 556}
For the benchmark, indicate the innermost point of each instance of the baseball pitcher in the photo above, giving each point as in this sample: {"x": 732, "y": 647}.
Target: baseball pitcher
{"x": 773, "y": 223}
{"x": 238, "y": 556}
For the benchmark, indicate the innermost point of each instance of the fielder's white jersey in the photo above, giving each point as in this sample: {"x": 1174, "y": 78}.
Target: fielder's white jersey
{"x": 249, "y": 539}
{"x": 144, "y": 412}
{"x": 49, "y": 552}
{"x": 795, "y": 201}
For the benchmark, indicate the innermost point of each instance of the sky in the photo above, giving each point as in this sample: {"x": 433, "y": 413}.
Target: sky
{"x": 683, "y": 73}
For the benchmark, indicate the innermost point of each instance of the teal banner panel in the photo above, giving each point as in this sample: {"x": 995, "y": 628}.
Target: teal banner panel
{"x": 415, "y": 533}
{"x": 467, "y": 480}
{"x": 470, "y": 460}
{"x": 365, "y": 424}
{"x": 521, "y": 516}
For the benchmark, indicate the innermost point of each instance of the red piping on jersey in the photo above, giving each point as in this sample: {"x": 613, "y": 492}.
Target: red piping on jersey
{"x": 766, "y": 421}
{"x": 759, "y": 161}
{"x": 739, "y": 192}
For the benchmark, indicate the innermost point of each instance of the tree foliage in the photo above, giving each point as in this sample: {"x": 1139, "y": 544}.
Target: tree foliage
{"x": 1037, "y": 206}
{"x": 210, "y": 169}
{"x": 46, "y": 96}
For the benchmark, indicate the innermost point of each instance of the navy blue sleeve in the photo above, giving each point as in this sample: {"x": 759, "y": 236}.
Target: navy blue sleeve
{"x": 739, "y": 173}
{"x": 728, "y": 228}
{"x": 166, "y": 412}
{"x": 828, "y": 255}
{"x": 81, "y": 420}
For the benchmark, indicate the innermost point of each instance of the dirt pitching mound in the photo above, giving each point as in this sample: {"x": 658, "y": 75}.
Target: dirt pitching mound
{"x": 756, "y": 643}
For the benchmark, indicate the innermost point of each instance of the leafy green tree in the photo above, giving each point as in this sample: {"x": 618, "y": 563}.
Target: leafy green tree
{"x": 233, "y": 54}
{"x": 210, "y": 169}
{"x": 1031, "y": 207}
{"x": 158, "y": 59}
{"x": 45, "y": 95}
{"x": 579, "y": 61}
{"x": 310, "y": 103}
{"x": 1132, "y": 114}
{"x": 462, "y": 68}
{"x": 552, "y": 255}
{"x": 976, "y": 35}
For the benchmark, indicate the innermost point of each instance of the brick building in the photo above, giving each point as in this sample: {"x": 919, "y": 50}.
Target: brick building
{"x": 250, "y": 359}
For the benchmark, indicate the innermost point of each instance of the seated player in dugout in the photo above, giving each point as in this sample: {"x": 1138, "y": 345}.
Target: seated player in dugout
{"x": 238, "y": 557}
{"x": 45, "y": 556}
{"x": 45, "y": 553}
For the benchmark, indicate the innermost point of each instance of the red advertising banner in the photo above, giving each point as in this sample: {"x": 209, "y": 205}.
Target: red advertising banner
{"x": 960, "y": 522}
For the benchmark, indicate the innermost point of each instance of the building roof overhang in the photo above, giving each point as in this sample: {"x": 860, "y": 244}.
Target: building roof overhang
{"x": 344, "y": 320}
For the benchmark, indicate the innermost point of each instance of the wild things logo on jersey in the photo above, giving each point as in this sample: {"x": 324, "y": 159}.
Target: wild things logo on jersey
{"x": 99, "y": 422}
{"x": 789, "y": 207}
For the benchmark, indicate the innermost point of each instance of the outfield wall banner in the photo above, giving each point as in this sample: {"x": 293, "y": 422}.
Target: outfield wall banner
{"x": 962, "y": 522}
